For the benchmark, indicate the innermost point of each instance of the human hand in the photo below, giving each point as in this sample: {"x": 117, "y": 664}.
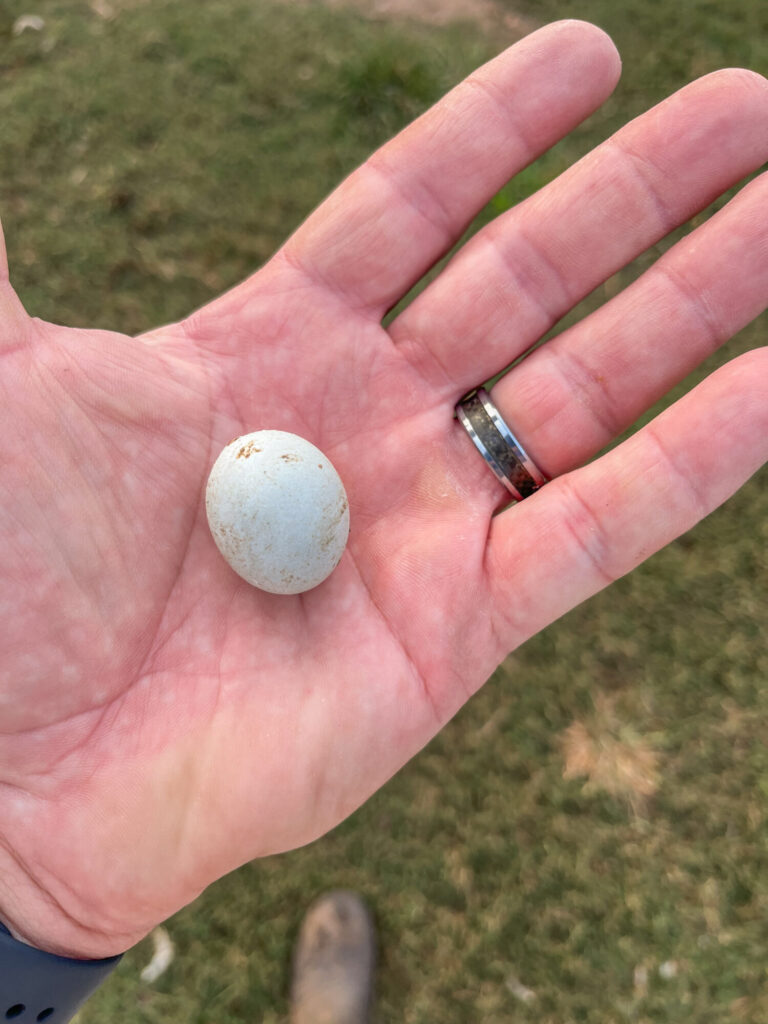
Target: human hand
{"x": 162, "y": 721}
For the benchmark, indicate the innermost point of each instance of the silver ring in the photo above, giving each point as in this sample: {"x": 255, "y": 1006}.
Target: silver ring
{"x": 510, "y": 462}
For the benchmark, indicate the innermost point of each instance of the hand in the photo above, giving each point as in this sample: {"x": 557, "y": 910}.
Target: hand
{"x": 162, "y": 721}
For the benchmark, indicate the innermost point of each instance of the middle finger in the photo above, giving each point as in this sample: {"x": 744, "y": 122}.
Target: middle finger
{"x": 511, "y": 282}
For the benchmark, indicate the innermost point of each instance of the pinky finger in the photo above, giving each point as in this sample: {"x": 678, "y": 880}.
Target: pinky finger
{"x": 589, "y": 527}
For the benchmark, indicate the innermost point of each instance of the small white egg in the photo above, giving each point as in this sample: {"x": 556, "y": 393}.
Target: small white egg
{"x": 278, "y": 511}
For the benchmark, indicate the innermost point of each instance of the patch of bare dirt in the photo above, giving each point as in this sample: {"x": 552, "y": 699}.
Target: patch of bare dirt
{"x": 487, "y": 14}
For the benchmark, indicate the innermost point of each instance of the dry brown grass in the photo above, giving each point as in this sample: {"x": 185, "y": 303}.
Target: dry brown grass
{"x": 611, "y": 756}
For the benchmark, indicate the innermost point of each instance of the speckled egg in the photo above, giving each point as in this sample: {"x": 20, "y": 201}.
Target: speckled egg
{"x": 278, "y": 511}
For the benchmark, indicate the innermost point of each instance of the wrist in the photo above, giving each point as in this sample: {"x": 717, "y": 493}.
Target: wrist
{"x": 43, "y": 945}
{"x": 32, "y": 916}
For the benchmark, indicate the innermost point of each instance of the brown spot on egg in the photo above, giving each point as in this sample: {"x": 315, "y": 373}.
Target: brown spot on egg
{"x": 246, "y": 451}
{"x": 330, "y": 534}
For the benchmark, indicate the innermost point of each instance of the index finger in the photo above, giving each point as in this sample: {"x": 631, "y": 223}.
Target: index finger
{"x": 398, "y": 213}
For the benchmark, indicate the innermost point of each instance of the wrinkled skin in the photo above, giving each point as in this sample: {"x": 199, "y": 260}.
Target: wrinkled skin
{"x": 162, "y": 721}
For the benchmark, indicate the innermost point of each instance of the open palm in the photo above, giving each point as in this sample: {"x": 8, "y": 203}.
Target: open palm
{"x": 162, "y": 721}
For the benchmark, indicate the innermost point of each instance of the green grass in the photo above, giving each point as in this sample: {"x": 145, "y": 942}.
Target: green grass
{"x": 151, "y": 161}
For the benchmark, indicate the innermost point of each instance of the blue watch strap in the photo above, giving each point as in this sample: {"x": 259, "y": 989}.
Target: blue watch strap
{"x": 39, "y": 986}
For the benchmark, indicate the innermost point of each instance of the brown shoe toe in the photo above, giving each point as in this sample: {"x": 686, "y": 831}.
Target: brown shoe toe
{"x": 333, "y": 962}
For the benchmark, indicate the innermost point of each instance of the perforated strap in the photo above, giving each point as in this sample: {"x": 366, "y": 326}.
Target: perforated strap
{"x": 38, "y": 986}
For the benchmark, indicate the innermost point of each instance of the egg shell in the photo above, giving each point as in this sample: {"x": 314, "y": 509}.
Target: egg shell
{"x": 278, "y": 511}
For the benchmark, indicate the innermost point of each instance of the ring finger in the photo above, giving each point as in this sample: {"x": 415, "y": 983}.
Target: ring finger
{"x": 572, "y": 396}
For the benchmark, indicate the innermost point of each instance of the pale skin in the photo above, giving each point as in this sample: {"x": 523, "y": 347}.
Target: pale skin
{"x": 162, "y": 721}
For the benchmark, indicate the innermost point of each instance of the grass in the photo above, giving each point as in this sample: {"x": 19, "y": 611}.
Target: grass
{"x": 599, "y": 809}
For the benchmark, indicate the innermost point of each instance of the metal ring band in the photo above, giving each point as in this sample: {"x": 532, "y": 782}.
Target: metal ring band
{"x": 510, "y": 462}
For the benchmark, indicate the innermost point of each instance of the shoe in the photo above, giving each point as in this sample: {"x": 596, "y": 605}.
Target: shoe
{"x": 333, "y": 962}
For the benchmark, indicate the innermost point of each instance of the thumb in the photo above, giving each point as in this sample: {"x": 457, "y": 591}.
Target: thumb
{"x": 15, "y": 323}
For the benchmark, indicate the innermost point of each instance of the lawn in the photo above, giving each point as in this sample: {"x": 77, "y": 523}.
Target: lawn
{"x": 587, "y": 841}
